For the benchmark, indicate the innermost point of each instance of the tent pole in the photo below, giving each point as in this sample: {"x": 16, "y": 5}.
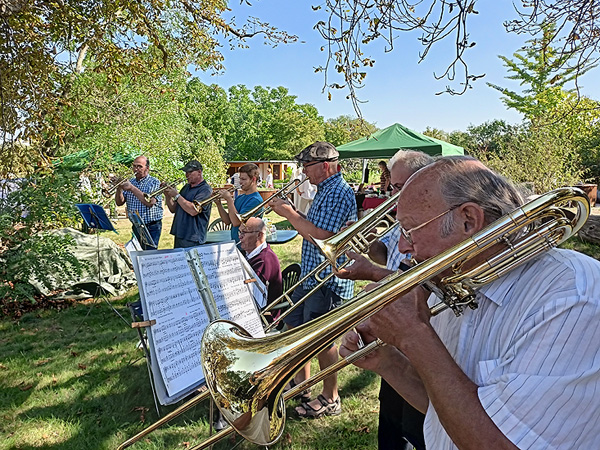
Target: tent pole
{"x": 364, "y": 171}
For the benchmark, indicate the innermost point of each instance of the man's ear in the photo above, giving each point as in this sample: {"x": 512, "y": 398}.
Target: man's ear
{"x": 471, "y": 218}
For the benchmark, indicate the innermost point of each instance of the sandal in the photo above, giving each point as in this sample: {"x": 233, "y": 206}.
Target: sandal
{"x": 303, "y": 396}
{"x": 327, "y": 409}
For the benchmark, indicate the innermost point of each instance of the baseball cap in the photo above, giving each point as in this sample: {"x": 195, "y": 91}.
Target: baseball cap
{"x": 319, "y": 151}
{"x": 191, "y": 166}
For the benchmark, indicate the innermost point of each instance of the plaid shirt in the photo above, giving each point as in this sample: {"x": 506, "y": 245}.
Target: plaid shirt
{"x": 147, "y": 185}
{"x": 394, "y": 257}
{"x": 333, "y": 206}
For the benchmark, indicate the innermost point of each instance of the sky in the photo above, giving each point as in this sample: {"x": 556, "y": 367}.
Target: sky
{"x": 398, "y": 88}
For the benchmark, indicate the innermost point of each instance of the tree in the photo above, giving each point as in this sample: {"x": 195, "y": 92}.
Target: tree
{"x": 162, "y": 119}
{"x": 269, "y": 124}
{"x": 540, "y": 68}
{"x": 549, "y": 105}
{"x": 343, "y": 129}
{"x": 45, "y": 46}
{"x": 537, "y": 158}
{"x": 353, "y": 24}
{"x": 489, "y": 137}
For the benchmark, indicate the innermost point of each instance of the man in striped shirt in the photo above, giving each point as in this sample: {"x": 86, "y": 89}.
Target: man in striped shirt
{"x": 520, "y": 371}
{"x": 400, "y": 425}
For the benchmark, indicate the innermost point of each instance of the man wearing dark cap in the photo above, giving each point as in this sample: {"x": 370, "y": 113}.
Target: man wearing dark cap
{"x": 189, "y": 225}
{"x": 332, "y": 207}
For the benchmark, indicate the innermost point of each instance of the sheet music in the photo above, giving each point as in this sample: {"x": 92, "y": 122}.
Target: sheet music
{"x": 173, "y": 301}
{"x": 170, "y": 296}
{"x": 226, "y": 279}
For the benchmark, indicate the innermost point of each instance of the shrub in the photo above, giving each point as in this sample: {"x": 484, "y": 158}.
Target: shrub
{"x": 39, "y": 203}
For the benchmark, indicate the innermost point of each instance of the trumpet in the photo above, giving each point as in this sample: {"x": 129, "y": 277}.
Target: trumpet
{"x": 281, "y": 193}
{"x": 246, "y": 376}
{"x": 109, "y": 190}
{"x": 162, "y": 189}
{"x": 199, "y": 205}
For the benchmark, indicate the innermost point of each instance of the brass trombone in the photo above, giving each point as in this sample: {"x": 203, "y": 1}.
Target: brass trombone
{"x": 162, "y": 189}
{"x": 357, "y": 237}
{"x": 246, "y": 376}
{"x": 337, "y": 244}
{"x": 199, "y": 205}
{"x": 281, "y": 193}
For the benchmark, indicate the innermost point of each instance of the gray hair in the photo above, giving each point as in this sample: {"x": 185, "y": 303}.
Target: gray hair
{"x": 462, "y": 183}
{"x": 412, "y": 159}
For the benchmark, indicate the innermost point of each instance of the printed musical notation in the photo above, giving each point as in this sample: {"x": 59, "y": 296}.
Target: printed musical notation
{"x": 172, "y": 299}
{"x": 226, "y": 279}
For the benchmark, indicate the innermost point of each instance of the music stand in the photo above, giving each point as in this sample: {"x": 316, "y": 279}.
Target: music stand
{"x": 142, "y": 231}
{"x": 95, "y": 216}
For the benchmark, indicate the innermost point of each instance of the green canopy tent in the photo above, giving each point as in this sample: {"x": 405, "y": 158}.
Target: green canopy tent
{"x": 383, "y": 144}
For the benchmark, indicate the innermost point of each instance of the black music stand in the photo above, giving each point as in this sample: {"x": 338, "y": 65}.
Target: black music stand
{"x": 142, "y": 232}
{"x": 94, "y": 216}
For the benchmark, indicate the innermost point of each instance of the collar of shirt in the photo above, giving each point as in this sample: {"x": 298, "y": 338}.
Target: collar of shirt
{"x": 257, "y": 250}
{"x": 333, "y": 179}
{"x": 496, "y": 290}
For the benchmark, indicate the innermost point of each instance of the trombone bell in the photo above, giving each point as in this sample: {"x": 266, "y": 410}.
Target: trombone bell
{"x": 234, "y": 380}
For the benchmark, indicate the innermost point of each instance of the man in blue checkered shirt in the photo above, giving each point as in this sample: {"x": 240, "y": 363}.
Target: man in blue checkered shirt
{"x": 132, "y": 192}
{"x": 333, "y": 206}
{"x": 400, "y": 425}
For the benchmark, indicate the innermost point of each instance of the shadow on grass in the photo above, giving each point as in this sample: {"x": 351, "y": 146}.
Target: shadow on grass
{"x": 71, "y": 383}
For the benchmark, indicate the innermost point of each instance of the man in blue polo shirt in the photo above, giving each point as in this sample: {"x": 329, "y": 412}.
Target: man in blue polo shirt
{"x": 334, "y": 205}
{"x": 189, "y": 225}
{"x": 132, "y": 192}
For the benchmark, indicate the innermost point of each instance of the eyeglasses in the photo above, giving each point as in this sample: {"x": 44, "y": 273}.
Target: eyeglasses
{"x": 137, "y": 166}
{"x": 247, "y": 232}
{"x": 398, "y": 186}
{"x": 406, "y": 234}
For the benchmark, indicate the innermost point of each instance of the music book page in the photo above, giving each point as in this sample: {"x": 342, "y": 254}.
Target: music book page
{"x": 226, "y": 277}
{"x": 170, "y": 296}
{"x": 172, "y": 299}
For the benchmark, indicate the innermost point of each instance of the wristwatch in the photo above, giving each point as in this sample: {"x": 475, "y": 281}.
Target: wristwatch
{"x": 176, "y": 198}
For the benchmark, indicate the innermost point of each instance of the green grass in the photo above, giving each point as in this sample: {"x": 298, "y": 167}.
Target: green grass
{"x": 75, "y": 379}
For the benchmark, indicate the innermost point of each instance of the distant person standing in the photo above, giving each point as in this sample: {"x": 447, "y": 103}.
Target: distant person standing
{"x": 189, "y": 225}
{"x": 307, "y": 192}
{"x": 269, "y": 179}
{"x": 132, "y": 192}
{"x": 385, "y": 180}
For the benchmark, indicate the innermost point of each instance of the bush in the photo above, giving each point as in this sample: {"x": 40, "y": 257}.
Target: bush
{"x": 538, "y": 158}
{"x": 41, "y": 202}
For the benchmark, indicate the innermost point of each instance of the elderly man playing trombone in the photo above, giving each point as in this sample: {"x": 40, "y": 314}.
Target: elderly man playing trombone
{"x": 522, "y": 370}
{"x": 132, "y": 192}
{"x": 189, "y": 224}
{"x": 333, "y": 206}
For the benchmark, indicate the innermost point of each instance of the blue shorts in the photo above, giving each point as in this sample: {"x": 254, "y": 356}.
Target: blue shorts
{"x": 318, "y": 304}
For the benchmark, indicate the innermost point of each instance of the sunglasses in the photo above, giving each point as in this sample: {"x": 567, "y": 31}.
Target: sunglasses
{"x": 304, "y": 165}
